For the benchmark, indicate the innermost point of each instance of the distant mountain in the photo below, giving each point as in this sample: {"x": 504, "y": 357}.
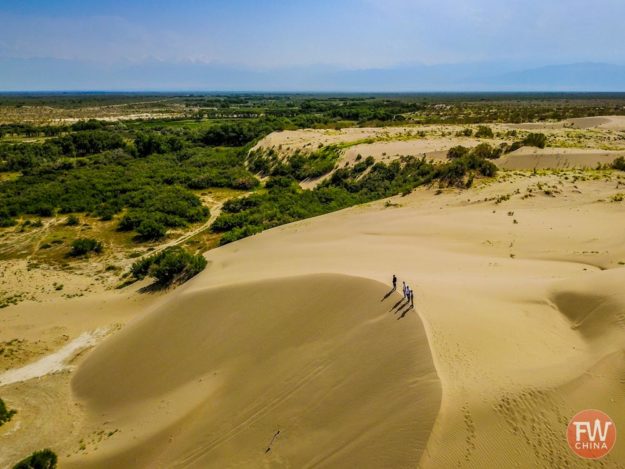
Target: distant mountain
{"x": 573, "y": 77}
{"x": 52, "y": 74}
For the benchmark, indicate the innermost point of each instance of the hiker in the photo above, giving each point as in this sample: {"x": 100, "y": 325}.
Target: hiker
{"x": 411, "y": 299}
{"x": 394, "y": 282}
{"x": 404, "y": 288}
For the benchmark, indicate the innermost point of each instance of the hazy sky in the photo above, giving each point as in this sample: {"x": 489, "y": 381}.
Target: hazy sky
{"x": 345, "y": 33}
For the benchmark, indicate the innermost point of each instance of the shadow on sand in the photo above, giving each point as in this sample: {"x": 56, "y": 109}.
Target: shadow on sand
{"x": 389, "y": 294}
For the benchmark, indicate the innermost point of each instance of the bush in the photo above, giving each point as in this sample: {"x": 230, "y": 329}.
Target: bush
{"x": 72, "y": 220}
{"x": 6, "y": 221}
{"x": 173, "y": 265}
{"x": 535, "y": 140}
{"x": 45, "y": 459}
{"x": 484, "y": 132}
{"x": 484, "y": 150}
{"x": 619, "y": 163}
{"x": 5, "y": 414}
{"x": 151, "y": 230}
{"x": 83, "y": 246}
{"x": 457, "y": 152}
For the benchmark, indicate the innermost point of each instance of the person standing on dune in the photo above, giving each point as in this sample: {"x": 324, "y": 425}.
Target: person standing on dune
{"x": 411, "y": 298}
{"x": 394, "y": 282}
{"x": 404, "y": 288}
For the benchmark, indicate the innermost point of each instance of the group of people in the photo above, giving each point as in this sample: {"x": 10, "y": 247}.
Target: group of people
{"x": 408, "y": 293}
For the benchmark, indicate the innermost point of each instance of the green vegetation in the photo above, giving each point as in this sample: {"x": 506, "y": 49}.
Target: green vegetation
{"x": 172, "y": 265}
{"x": 298, "y": 165}
{"x": 535, "y": 140}
{"x": 84, "y": 246}
{"x": 457, "y": 152}
{"x": 484, "y": 132}
{"x": 44, "y": 459}
{"x": 5, "y": 414}
{"x": 72, "y": 220}
{"x": 155, "y": 189}
{"x": 481, "y": 151}
{"x": 531, "y": 140}
{"x": 286, "y": 202}
{"x": 149, "y": 176}
{"x": 618, "y": 163}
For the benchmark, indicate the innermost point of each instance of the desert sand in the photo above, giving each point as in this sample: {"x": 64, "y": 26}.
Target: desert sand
{"x": 290, "y": 350}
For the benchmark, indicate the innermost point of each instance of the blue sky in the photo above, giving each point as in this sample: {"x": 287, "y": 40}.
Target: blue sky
{"x": 340, "y": 34}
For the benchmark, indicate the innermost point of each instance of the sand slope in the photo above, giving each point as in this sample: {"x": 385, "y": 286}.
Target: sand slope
{"x": 212, "y": 376}
{"x": 556, "y": 158}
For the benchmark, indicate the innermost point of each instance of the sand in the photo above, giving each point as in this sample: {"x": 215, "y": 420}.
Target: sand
{"x": 557, "y": 158}
{"x": 290, "y": 350}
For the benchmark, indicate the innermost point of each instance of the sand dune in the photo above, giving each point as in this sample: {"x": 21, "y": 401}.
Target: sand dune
{"x": 556, "y": 158}
{"x": 211, "y": 377}
{"x": 518, "y": 326}
{"x": 601, "y": 122}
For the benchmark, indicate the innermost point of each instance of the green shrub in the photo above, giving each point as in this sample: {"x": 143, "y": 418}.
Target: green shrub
{"x": 44, "y": 459}
{"x": 83, "y": 246}
{"x": 484, "y": 132}
{"x": 484, "y": 150}
{"x": 173, "y": 265}
{"x": 72, "y": 220}
{"x": 457, "y": 152}
{"x": 5, "y": 414}
{"x": 151, "y": 230}
{"x": 535, "y": 140}
{"x": 6, "y": 221}
{"x": 619, "y": 164}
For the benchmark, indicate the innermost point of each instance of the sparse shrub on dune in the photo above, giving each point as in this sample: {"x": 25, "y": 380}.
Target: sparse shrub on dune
{"x": 172, "y": 265}
{"x": 619, "y": 164}
{"x": 84, "y": 246}
{"x": 457, "y": 152}
{"x": 535, "y": 140}
{"x": 44, "y": 459}
{"x": 484, "y": 131}
{"x": 5, "y": 414}
{"x": 484, "y": 150}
